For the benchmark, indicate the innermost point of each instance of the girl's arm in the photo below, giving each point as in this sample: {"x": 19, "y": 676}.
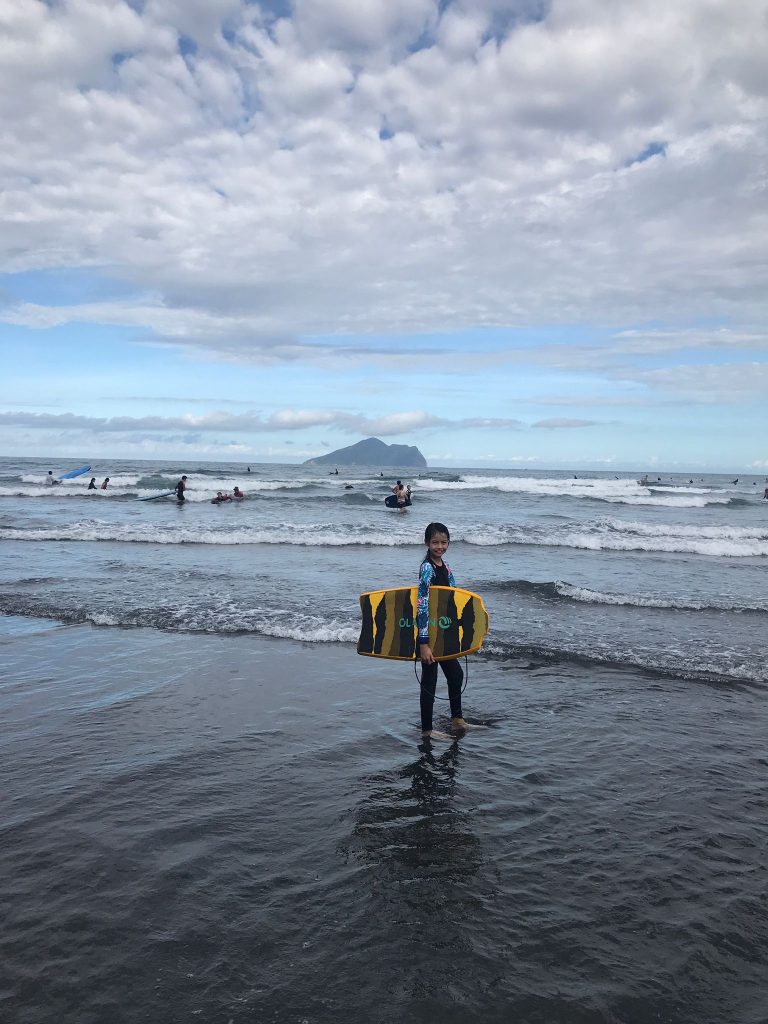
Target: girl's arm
{"x": 451, "y": 577}
{"x": 422, "y": 605}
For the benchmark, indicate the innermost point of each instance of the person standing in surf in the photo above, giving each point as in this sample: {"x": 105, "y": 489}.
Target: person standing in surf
{"x": 434, "y": 571}
{"x": 401, "y": 494}
{"x": 181, "y": 486}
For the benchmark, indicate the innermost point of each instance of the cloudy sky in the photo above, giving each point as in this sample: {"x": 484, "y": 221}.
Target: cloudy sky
{"x": 511, "y": 232}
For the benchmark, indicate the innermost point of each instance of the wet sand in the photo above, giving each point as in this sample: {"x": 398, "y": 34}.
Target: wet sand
{"x": 208, "y": 828}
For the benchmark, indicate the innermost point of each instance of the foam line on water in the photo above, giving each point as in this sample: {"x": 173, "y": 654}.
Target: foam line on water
{"x": 602, "y": 535}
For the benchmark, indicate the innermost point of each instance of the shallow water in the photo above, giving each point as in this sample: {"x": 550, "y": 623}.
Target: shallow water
{"x": 235, "y": 828}
{"x": 667, "y": 578}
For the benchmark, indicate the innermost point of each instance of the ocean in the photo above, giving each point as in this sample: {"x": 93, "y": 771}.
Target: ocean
{"x": 216, "y": 811}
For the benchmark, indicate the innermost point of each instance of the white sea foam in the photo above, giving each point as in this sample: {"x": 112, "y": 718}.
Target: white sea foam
{"x": 75, "y": 489}
{"x": 615, "y": 535}
{"x": 602, "y": 535}
{"x": 310, "y": 534}
{"x": 201, "y": 489}
{"x": 613, "y": 491}
{"x": 588, "y": 596}
{"x": 688, "y": 530}
{"x": 81, "y": 482}
{"x": 222, "y": 616}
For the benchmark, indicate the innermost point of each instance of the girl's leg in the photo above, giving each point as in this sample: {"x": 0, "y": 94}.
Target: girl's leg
{"x": 454, "y": 676}
{"x": 427, "y": 695}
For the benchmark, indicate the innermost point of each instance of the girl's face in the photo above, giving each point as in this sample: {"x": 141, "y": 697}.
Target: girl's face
{"x": 438, "y": 545}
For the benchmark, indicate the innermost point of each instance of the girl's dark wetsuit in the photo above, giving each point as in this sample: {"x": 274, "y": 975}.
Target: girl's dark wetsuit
{"x": 440, "y": 576}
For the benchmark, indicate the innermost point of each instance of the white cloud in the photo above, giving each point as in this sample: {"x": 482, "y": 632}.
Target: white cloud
{"x": 560, "y": 423}
{"x": 714, "y": 382}
{"x": 250, "y": 422}
{"x": 362, "y": 27}
{"x": 316, "y": 174}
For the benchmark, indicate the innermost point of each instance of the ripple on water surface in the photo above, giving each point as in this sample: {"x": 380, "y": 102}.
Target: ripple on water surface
{"x": 237, "y": 829}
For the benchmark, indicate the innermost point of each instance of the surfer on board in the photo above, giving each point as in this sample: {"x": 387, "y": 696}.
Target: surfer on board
{"x": 434, "y": 570}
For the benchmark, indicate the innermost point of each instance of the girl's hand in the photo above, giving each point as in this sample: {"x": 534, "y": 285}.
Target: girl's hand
{"x": 426, "y": 655}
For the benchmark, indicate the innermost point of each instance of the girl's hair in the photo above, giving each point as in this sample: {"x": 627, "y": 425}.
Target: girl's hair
{"x": 434, "y": 528}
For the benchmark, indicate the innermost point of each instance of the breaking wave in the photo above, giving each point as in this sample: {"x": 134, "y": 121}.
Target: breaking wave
{"x": 602, "y": 535}
{"x": 558, "y": 590}
{"x": 627, "y": 492}
{"x": 221, "y": 615}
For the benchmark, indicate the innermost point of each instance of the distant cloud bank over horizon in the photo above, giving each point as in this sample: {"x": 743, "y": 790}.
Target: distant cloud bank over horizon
{"x": 502, "y": 230}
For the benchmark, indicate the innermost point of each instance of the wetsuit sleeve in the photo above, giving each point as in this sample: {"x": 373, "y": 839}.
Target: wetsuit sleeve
{"x": 451, "y": 577}
{"x": 422, "y": 605}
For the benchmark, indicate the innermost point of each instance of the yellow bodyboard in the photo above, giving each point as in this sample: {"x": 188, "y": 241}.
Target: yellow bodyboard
{"x": 458, "y": 623}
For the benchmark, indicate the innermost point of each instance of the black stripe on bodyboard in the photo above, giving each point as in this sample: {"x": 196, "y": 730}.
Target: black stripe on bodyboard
{"x": 365, "y": 643}
{"x": 407, "y": 645}
{"x": 468, "y": 624}
{"x": 380, "y": 621}
{"x": 450, "y": 633}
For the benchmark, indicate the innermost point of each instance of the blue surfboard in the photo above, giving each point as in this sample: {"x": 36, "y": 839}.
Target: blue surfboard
{"x": 75, "y": 472}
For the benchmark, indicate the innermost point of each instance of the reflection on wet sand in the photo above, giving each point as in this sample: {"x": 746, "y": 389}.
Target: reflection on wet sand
{"x": 409, "y": 828}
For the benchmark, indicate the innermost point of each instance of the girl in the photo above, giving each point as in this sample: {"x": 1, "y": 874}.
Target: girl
{"x": 435, "y": 571}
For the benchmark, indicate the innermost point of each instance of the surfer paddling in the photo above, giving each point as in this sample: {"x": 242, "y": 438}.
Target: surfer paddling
{"x": 434, "y": 571}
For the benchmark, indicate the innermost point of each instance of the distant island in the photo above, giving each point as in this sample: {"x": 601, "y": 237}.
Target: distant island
{"x": 372, "y": 452}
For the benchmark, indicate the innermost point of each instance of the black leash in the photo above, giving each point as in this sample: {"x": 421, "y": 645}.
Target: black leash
{"x": 418, "y": 680}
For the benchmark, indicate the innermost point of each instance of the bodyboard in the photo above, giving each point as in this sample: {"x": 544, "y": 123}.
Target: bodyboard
{"x": 391, "y": 501}
{"x": 458, "y": 623}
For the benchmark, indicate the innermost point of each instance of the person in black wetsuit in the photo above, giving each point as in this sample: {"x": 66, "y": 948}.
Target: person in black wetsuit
{"x": 92, "y": 484}
{"x": 181, "y": 486}
{"x": 434, "y": 570}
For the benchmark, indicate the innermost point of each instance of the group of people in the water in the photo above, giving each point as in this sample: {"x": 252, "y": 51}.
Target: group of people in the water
{"x": 221, "y": 496}
{"x": 401, "y": 491}
{"x": 52, "y": 481}
{"x": 236, "y": 495}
